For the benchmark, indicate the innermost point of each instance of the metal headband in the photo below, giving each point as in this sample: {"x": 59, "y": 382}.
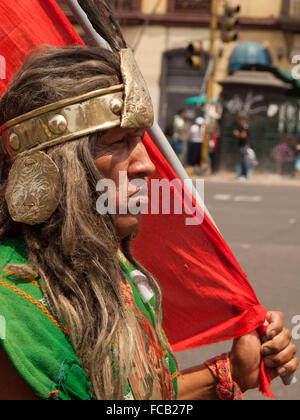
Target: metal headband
{"x": 128, "y": 106}
{"x": 34, "y": 187}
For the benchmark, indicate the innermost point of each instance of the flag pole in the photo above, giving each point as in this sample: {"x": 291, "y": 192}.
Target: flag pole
{"x": 86, "y": 25}
{"x": 156, "y": 133}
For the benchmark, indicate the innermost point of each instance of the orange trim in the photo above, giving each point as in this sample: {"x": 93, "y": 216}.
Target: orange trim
{"x": 164, "y": 333}
{"x": 152, "y": 309}
{"x": 175, "y": 375}
{"x": 26, "y": 278}
{"x": 53, "y": 394}
{"x": 37, "y": 304}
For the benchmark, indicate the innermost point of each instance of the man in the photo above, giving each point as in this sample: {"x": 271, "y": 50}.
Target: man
{"x": 297, "y": 161}
{"x": 77, "y": 324}
{"x": 197, "y": 133}
{"x": 179, "y": 131}
{"x": 242, "y": 136}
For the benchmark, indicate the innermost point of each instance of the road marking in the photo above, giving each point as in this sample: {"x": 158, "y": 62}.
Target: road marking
{"x": 223, "y": 197}
{"x": 238, "y": 198}
{"x": 246, "y": 246}
{"x": 248, "y": 198}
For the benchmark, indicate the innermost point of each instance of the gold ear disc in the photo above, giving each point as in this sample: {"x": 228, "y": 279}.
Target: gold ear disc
{"x": 34, "y": 189}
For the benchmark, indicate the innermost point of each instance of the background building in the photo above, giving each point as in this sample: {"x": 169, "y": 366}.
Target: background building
{"x": 160, "y": 32}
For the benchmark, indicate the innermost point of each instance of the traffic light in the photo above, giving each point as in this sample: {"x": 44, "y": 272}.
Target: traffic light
{"x": 195, "y": 54}
{"x": 230, "y": 23}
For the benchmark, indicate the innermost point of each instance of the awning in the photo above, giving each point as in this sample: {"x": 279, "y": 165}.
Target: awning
{"x": 256, "y": 78}
{"x": 199, "y": 100}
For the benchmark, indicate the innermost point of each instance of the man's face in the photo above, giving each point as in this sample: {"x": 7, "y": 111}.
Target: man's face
{"x": 123, "y": 150}
{"x": 241, "y": 121}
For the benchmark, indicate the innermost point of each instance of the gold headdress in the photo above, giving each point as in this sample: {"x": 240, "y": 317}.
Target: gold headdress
{"x": 34, "y": 190}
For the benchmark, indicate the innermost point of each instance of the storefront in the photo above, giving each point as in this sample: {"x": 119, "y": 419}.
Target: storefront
{"x": 269, "y": 99}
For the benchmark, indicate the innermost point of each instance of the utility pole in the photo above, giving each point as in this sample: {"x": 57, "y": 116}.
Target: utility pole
{"x": 209, "y": 91}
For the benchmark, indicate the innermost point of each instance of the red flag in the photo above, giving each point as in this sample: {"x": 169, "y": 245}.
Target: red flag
{"x": 25, "y": 25}
{"x": 206, "y": 296}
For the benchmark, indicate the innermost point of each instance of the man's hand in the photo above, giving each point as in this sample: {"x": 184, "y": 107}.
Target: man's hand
{"x": 278, "y": 353}
{"x": 244, "y": 135}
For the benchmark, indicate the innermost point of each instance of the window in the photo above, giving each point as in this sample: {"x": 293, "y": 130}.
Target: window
{"x": 290, "y": 16}
{"x": 291, "y": 8}
{"x": 294, "y": 8}
{"x": 125, "y": 5}
{"x": 190, "y": 6}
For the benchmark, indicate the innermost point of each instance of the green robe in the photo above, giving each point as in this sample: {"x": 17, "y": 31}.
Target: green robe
{"x": 37, "y": 343}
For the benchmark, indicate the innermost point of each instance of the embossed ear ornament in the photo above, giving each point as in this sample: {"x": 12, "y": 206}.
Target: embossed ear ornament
{"x": 34, "y": 186}
{"x": 34, "y": 189}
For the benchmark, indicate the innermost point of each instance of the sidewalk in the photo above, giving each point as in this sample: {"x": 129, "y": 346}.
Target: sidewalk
{"x": 257, "y": 179}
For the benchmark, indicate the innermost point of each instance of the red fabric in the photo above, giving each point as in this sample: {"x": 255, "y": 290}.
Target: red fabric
{"x": 207, "y": 297}
{"x": 265, "y": 372}
{"x": 24, "y": 24}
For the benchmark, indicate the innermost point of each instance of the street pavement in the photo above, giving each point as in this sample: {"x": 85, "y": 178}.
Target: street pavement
{"x": 261, "y": 223}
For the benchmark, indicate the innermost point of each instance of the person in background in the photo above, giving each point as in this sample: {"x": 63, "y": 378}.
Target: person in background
{"x": 297, "y": 137}
{"x": 179, "y": 132}
{"x": 197, "y": 132}
{"x": 297, "y": 162}
{"x": 242, "y": 136}
{"x": 284, "y": 156}
{"x": 213, "y": 149}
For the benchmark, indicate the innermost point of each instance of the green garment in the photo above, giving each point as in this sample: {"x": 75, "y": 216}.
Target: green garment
{"x": 34, "y": 339}
{"x": 149, "y": 309}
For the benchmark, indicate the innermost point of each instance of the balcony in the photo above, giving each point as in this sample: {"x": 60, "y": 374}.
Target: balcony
{"x": 192, "y": 13}
{"x": 125, "y": 6}
{"x": 190, "y": 6}
{"x": 188, "y": 12}
{"x": 124, "y": 9}
{"x": 178, "y": 12}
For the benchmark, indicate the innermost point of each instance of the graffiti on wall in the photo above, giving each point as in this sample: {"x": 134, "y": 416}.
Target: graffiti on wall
{"x": 254, "y": 104}
{"x": 250, "y": 105}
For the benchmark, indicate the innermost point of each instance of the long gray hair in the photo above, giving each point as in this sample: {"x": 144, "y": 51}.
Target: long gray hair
{"x": 74, "y": 252}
